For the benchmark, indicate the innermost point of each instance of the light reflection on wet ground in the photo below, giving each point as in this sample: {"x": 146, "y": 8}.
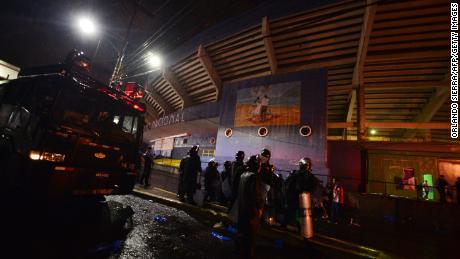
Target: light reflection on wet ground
{"x": 100, "y": 230}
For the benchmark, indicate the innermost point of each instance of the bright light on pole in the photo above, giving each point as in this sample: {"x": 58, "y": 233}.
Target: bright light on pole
{"x": 154, "y": 60}
{"x": 87, "y": 25}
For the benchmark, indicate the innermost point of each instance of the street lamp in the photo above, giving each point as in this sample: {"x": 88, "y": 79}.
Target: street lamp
{"x": 87, "y": 25}
{"x": 153, "y": 60}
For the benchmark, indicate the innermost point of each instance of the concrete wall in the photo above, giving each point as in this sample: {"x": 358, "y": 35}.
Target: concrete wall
{"x": 345, "y": 163}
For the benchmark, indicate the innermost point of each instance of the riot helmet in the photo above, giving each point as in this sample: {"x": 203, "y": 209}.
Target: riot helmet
{"x": 212, "y": 163}
{"x": 252, "y": 164}
{"x": 305, "y": 163}
{"x": 239, "y": 155}
{"x": 265, "y": 156}
{"x": 227, "y": 165}
{"x": 194, "y": 150}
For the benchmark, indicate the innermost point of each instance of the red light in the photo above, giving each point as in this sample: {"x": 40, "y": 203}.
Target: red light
{"x": 134, "y": 90}
{"x": 129, "y": 88}
{"x": 137, "y": 107}
{"x": 138, "y": 94}
{"x": 65, "y": 169}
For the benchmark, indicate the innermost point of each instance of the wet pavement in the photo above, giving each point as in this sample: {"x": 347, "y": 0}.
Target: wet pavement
{"x": 184, "y": 236}
{"x": 105, "y": 229}
{"x": 370, "y": 239}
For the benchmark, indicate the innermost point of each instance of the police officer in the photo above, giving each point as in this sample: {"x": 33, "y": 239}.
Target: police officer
{"x": 298, "y": 182}
{"x": 191, "y": 166}
{"x": 148, "y": 159}
{"x": 211, "y": 180}
{"x": 237, "y": 169}
{"x": 250, "y": 207}
{"x": 306, "y": 181}
{"x": 181, "y": 181}
{"x": 252, "y": 192}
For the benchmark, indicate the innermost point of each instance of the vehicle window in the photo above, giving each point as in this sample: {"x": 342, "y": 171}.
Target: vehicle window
{"x": 74, "y": 108}
{"x": 128, "y": 124}
{"x": 19, "y": 119}
{"x": 135, "y": 125}
{"x": 45, "y": 94}
{"x": 116, "y": 119}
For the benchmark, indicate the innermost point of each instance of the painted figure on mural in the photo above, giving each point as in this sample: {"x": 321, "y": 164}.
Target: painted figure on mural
{"x": 261, "y": 112}
{"x": 268, "y": 104}
{"x": 426, "y": 190}
{"x": 264, "y": 112}
{"x": 257, "y": 110}
{"x": 409, "y": 182}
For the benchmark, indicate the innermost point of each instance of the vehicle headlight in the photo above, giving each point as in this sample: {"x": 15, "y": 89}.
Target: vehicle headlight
{"x": 47, "y": 156}
{"x": 34, "y": 155}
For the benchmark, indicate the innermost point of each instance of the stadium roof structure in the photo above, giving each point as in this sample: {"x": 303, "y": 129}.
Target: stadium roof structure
{"x": 387, "y": 61}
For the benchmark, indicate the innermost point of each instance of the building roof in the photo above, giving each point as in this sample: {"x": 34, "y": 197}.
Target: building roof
{"x": 393, "y": 55}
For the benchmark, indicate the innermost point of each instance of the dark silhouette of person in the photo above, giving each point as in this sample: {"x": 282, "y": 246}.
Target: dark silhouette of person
{"x": 191, "y": 167}
{"x": 299, "y": 181}
{"x": 251, "y": 200}
{"x": 181, "y": 182}
{"x": 441, "y": 185}
{"x": 148, "y": 160}
{"x": 226, "y": 182}
{"x": 211, "y": 180}
{"x": 237, "y": 169}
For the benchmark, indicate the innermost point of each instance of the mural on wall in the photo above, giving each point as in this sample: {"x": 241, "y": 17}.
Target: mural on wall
{"x": 270, "y": 104}
{"x": 282, "y": 104}
{"x": 408, "y": 179}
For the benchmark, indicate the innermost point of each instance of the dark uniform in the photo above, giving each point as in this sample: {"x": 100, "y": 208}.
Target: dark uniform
{"x": 147, "y": 167}
{"x": 250, "y": 206}
{"x": 211, "y": 180}
{"x": 441, "y": 185}
{"x": 181, "y": 182}
{"x": 237, "y": 169}
{"x": 191, "y": 167}
{"x": 298, "y": 182}
{"x": 251, "y": 200}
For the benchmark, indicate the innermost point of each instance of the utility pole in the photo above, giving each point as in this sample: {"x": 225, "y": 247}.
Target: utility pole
{"x": 116, "y": 75}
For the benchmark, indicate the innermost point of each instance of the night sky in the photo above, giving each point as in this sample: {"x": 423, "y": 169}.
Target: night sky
{"x": 40, "y": 32}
